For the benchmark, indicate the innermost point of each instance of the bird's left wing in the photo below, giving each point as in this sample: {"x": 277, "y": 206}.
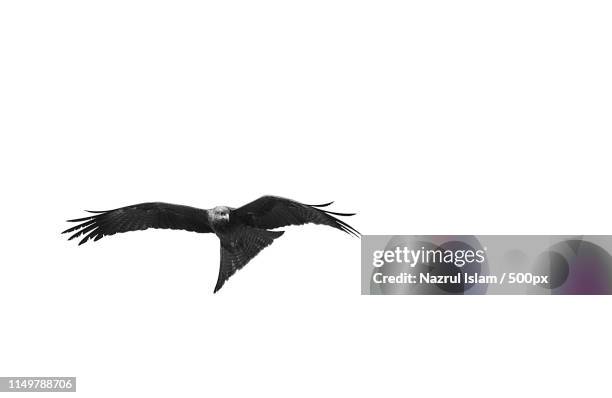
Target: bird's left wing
{"x": 139, "y": 217}
{"x": 269, "y": 212}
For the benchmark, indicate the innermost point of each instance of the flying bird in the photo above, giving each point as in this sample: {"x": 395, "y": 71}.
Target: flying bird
{"x": 242, "y": 232}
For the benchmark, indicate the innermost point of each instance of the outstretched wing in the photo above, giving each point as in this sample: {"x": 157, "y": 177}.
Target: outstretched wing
{"x": 139, "y": 217}
{"x": 270, "y": 212}
{"x": 239, "y": 247}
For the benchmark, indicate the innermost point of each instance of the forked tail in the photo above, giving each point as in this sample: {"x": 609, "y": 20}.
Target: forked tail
{"x": 239, "y": 247}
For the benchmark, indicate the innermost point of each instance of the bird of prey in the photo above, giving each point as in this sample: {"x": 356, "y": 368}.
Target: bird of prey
{"x": 242, "y": 232}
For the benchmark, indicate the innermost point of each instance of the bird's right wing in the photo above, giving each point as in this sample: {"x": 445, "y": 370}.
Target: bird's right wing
{"x": 139, "y": 217}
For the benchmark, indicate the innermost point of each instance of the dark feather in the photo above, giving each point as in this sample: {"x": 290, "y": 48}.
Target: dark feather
{"x": 269, "y": 212}
{"x": 239, "y": 247}
{"x": 139, "y": 217}
{"x": 323, "y": 205}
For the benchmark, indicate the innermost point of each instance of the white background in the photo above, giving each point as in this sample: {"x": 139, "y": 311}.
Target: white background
{"x": 427, "y": 117}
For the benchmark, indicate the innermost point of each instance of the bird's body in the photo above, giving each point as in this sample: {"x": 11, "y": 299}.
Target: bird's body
{"x": 242, "y": 232}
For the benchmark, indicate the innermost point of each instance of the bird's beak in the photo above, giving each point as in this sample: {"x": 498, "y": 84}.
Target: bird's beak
{"x": 226, "y": 217}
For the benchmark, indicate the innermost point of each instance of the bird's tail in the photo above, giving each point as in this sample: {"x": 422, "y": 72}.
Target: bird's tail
{"x": 239, "y": 248}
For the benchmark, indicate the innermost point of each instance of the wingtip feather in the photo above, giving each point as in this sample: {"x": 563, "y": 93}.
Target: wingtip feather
{"x": 81, "y": 219}
{"x": 340, "y": 214}
{"x": 322, "y": 205}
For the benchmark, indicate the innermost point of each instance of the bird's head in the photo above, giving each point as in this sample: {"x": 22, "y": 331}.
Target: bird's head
{"x": 221, "y": 214}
